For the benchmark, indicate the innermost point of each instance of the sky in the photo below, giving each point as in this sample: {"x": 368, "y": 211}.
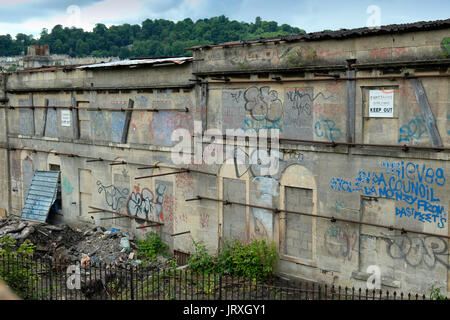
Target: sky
{"x": 31, "y": 16}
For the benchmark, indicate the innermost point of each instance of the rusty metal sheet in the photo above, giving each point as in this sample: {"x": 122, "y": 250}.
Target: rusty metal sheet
{"x": 127, "y": 62}
{"x": 41, "y": 196}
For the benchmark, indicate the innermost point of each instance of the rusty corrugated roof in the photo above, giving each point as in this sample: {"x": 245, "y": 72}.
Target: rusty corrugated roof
{"x": 127, "y": 62}
{"x": 49, "y": 68}
{"x": 150, "y": 61}
{"x": 342, "y": 34}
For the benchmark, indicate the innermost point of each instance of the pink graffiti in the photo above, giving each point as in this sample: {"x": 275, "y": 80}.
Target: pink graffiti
{"x": 204, "y": 220}
{"x": 180, "y": 121}
{"x": 383, "y": 53}
{"x": 329, "y": 109}
{"x": 184, "y": 182}
{"x": 324, "y": 54}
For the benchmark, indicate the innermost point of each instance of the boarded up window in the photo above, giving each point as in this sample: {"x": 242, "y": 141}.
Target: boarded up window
{"x": 263, "y": 192}
{"x": 27, "y": 173}
{"x": 52, "y": 120}
{"x": 118, "y": 122}
{"x": 233, "y": 112}
{"x": 86, "y": 183}
{"x": 380, "y": 127}
{"x": 234, "y": 216}
{"x": 121, "y": 180}
{"x": 298, "y": 237}
{"x": 26, "y": 118}
{"x": 84, "y": 120}
{"x": 373, "y": 241}
{"x": 298, "y": 113}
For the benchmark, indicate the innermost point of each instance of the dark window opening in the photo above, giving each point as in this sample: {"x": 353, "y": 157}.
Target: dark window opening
{"x": 56, "y": 208}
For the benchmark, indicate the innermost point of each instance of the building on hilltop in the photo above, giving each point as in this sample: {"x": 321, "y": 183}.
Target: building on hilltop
{"x": 39, "y": 56}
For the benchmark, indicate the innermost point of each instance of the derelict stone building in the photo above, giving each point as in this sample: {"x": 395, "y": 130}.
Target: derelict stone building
{"x": 364, "y": 126}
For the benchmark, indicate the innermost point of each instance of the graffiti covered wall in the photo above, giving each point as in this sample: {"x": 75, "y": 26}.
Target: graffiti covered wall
{"x": 303, "y": 89}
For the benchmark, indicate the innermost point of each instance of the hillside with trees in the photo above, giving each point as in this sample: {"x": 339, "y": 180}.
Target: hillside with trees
{"x": 153, "y": 38}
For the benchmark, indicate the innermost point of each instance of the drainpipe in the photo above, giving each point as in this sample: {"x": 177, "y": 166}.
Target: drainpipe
{"x": 351, "y": 100}
{"x": 8, "y": 161}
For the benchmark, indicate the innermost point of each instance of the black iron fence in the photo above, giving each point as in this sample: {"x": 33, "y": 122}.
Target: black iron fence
{"x": 181, "y": 257}
{"x": 47, "y": 280}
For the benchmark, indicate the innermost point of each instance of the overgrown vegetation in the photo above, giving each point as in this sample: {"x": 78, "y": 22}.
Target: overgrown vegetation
{"x": 12, "y": 68}
{"x": 201, "y": 260}
{"x": 435, "y": 294}
{"x": 152, "y": 246}
{"x": 254, "y": 260}
{"x": 152, "y": 38}
{"x": 14, "y": 270}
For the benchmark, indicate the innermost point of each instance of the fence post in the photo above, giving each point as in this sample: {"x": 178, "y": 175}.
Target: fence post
{"x": 50, "y": 280}
{"x": 220, "y": 286}
{"x": 131, "y": 283}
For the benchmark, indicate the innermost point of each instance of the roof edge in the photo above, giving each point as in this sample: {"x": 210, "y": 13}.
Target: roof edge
{"x": 340, "y": 34}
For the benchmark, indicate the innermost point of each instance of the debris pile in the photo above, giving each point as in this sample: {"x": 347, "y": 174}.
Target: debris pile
{"x": 87, "y": 244}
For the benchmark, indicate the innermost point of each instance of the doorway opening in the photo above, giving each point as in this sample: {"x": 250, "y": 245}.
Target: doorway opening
{"x": 56, "y": 209}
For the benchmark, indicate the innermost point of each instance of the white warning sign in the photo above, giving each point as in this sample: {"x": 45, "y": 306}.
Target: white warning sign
{"x": 381, "y": 103}
{"x": 65, "y": 118}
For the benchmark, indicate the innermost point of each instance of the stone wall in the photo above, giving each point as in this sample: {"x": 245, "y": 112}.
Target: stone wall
{"x": 309, "y": 91}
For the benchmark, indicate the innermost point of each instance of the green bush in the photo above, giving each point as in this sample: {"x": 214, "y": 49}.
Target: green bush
{"x": 17, "y": 268}
{"x": 150, "y": 247}
{"x": 254, "y": 260}
{"x": 200, "y": 260}
{"x": 435, "y": 294}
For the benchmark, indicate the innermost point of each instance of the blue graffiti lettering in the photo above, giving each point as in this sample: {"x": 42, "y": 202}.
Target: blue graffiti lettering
{"x": 408, "y": 182}
{"x": 412, "y": 131}
{"x": 422, "y": 217}
{"x": 413, "y": 172}
{"x": 261, "y": 124}
{"x": 327, "y": 129}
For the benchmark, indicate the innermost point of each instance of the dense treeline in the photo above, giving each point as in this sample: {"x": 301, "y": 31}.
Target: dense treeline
{"x": 151, "y": 39}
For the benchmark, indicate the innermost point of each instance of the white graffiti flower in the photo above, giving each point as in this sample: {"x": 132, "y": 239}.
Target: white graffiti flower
{"x": 144, "y": 205}
{"x": 263, "y": 104}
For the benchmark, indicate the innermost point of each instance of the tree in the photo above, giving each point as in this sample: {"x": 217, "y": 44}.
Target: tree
{"x": 124, "y": 53}
{"x": 82, "y": 48}
{"x": 100, "y": 29}
{"x": 258, "y": 22}
{"x": 6, "y": 45}
{"x": 58, "y": 46}
{"x": 153, "y": 38}
{"x": 44, "y": 32}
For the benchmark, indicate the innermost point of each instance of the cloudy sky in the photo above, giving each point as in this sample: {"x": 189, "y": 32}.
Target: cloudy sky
{"x": 31, "y": 16}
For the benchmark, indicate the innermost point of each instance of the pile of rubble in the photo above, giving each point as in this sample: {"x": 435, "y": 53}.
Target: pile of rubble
{"x": 87, "y": 244}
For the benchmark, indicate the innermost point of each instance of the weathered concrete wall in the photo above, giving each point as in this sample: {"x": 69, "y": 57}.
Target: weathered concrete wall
{"x": 317, "y": 110}
{"x": 388, "y": 186}
{"x": 4, "y": 191}
{"x": 98, "y": 184}
{"x": 52, "y": 79}
{"x": 375, "y": 190}
{"x": 164, "y": 88}
{"x": 381, "y": 48}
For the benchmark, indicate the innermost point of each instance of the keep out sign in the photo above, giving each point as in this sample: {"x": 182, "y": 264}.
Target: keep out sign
{"x": 381, "y": 103}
